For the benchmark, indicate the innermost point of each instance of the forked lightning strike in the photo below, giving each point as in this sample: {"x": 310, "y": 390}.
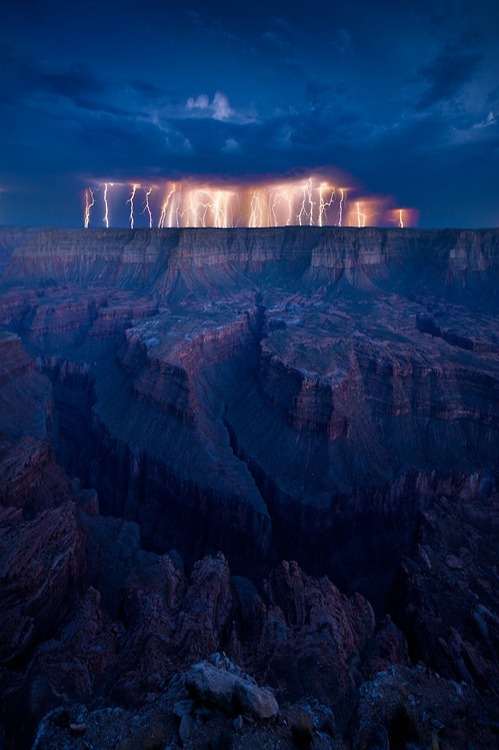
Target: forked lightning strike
{"x": 167, "y": 209}
{"x": 306, "y": 200}
{"x": 89, "y": 202}
{"x": 256, "y": 215}
{"x": 324, "y": 204}
{"x": 309, "y": 202}
{"x": 280, "y": 195}
{"x": 130, "y": 201}
{"x": 147, "y": 208}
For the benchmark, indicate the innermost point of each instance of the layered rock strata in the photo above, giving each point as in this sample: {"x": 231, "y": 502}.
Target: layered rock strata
{"x": 318, "y": 373}
{"x": 325, "y": 396}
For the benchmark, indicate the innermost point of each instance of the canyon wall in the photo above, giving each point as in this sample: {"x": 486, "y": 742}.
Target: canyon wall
{"x": 271, "y": 393}
{"x": 142, "y": 257}
{"x": 328, "y": 397}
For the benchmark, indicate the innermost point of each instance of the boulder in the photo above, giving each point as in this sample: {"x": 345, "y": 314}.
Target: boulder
{"x": 216, "y": 680}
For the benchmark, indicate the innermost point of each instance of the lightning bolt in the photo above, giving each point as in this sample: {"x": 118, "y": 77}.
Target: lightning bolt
{"x": 256, "y": 211}
{"x": 89, "y": 202}
{"x": 288, "y": 198}
{"x": 221, "y": 208}
{"x": 204, "y": 206}
{"x": 302, "y": 211}
{"x": 396, "y": 216}
{"x": 163, "y": 221}
{"x": 178, "y": 215}
{"x": 308, "y": 201}
{"x": 272, "y": 206}
{"x": 340, "y": 213}
{"x": 323, "y": 204}
{"x": 147, "y": 207}
{"x": 277, "y": 196}
{"x": 130, "y": 201}
{"x": 361, "y": 217}
{"x": 106, "y": 213}
{"x": 198, "y": 207}
{"x": 307, "y": 189}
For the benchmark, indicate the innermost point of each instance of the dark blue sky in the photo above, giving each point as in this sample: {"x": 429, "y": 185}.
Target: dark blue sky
{"x": 402, "y": 96}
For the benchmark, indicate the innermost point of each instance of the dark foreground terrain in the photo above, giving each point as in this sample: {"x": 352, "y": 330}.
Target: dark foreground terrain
{"x": 249, "y": 488}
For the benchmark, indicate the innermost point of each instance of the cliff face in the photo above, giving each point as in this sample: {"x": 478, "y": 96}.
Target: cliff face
{"x": 158, "y": 259}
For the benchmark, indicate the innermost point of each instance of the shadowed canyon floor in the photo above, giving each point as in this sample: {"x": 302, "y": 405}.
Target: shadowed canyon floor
{"x": 183, "y": 410}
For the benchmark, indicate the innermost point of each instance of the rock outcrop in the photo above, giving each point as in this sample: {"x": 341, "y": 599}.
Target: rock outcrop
{"x": 404, "y": 706}
{"x": 305, "y": 637}
{"x": 219, "y": 682}
{"x": 446, "y": 596}
{"x": 41, "y": 574}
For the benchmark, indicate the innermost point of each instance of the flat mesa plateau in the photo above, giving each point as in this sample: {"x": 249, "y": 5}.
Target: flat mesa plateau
{"x": 249, "y": 488}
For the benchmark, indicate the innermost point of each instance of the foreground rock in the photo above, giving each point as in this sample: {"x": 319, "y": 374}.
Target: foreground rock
{"x": 446, "y": 598}
{"x": 305, "y": 636}
{"x": 400, "y": 707}
{"x": 219, "y": 682}
{"x": 176, "y": 720}
{"x": 42, "y": 570}
{"x": 403, "y": 705}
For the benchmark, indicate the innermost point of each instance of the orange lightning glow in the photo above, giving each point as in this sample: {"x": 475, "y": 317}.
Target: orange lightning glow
{"x": 403, "y": 217}
{"x": 281, "y": 196}
{"x": 307, "y": 204}
{"x": 313, "y": 201}
{"x": 208, "y": 207}
{"x": 167, "y": 209}
{"x": 323, "y": 203}
{"x": 369, "y": 211}
{"x": 310, "y": 201}
{"x": 177, "y": 211}
{"x": 361, "y": 218}
{"x": 221, "y": 208}
{"x": 199, "y": 205}
{"x": 256, "y": 215}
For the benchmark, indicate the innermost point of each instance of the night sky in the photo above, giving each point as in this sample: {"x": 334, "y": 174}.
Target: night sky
{"x": 403, "y": 97}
